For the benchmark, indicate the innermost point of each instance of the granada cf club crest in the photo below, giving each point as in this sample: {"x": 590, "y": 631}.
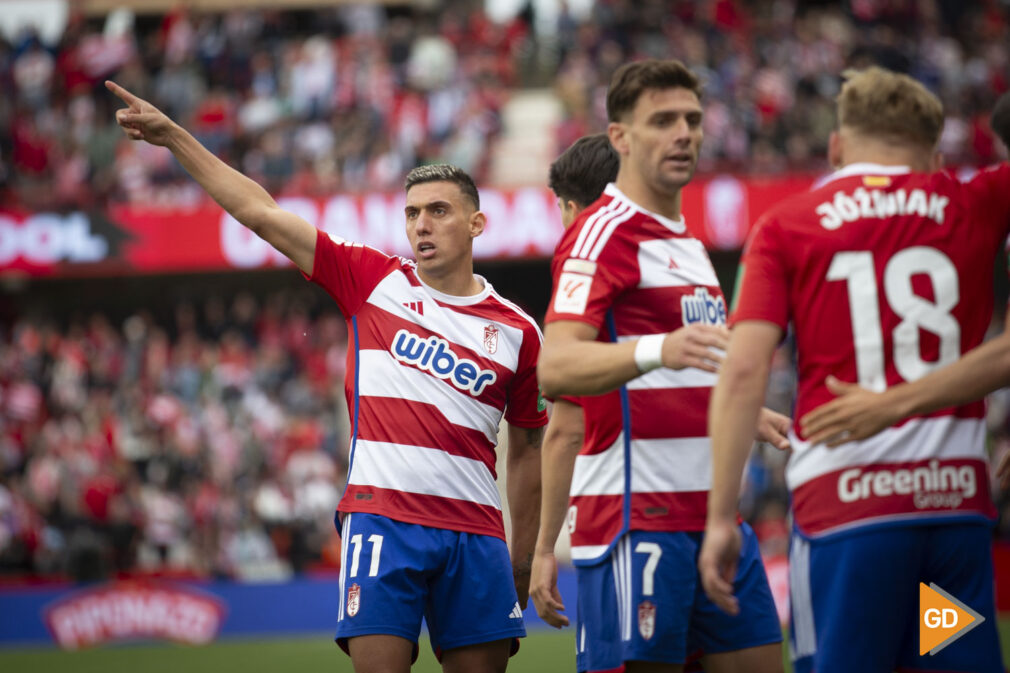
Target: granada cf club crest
{"x": 353, "y": 599}
{"x": 647, "y": 619}
{"x": 491, "y": 339}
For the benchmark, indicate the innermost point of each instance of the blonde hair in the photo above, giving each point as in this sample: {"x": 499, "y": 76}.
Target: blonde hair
{"x": 893, "y": 107}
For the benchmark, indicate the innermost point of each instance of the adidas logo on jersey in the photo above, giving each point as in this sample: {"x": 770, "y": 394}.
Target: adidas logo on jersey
{"x": 702, "y": 307}
{"x": 434, "y": 355}
{"x": 932, "y": 486}
{"x": 517, "y": 612}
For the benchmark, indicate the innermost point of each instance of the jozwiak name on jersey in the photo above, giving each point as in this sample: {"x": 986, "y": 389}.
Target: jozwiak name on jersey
{"x": 877, "y": 203}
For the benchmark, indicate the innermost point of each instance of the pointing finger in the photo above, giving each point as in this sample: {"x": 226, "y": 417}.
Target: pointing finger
{"x": 122, "y": 93}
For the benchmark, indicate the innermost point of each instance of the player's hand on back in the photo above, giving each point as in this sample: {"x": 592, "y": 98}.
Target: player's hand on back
{"x": 717, "y": 563}
{"x": 773, "y": 428}
{"x": 141, "y": 120}
{"x": 544, "y": 590}
{"x": 857, "y": 413}
{"x": 700, "y": 346}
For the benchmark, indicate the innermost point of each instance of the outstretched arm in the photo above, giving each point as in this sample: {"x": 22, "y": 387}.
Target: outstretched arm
{"x": 562, "y": 443}
{"x": 732, "y": 419}
{"x": 522, "y": 489}
{"x": 244, "y": 200}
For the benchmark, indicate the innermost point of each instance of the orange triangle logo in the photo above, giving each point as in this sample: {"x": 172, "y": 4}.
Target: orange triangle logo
{"x": 942, "y": 619}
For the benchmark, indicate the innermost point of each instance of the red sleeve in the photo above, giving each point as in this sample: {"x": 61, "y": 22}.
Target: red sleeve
{"x": 584, "y": 290}
{"x": 347, "y": 271}
{"x": 763, "y": 287}
{"x": 526, "y": 407}
{"x": 989, "y": 194}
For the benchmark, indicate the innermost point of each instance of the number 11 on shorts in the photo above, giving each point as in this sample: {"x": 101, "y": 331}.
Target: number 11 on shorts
{"x": 373, "y": 568}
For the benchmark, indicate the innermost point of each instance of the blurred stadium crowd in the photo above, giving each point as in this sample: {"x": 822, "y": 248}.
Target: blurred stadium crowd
{"x": 313, "y": 102}
{"x": 214, "y": 441}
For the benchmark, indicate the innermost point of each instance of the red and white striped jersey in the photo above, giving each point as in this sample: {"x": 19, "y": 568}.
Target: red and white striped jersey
{"x": 428, "y": 379}
{"x": 886, "y": 275}
{"x": 646, "y": 462}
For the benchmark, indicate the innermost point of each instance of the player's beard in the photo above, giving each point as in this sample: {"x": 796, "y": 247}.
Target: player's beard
{"x": 671, "y": 182}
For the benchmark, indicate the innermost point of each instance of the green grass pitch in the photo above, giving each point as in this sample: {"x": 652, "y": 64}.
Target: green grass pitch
{"x": 542, "y": 652}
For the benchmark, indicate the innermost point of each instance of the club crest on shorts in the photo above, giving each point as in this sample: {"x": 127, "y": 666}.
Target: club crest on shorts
{"x": 353, "y": 599}
{"x": 647, "y": 619}
{"x": 491, "y": 339}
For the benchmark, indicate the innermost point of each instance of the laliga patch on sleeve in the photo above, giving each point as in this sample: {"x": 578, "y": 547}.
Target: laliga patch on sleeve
{"x": 579, "y": 266}
{"x": 572, "y": 293}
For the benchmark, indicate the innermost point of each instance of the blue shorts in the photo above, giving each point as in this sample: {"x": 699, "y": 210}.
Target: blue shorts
{"x": 393, "y": 573}
{"x": 855, "y": 598}
{"x": 646, "y": 603}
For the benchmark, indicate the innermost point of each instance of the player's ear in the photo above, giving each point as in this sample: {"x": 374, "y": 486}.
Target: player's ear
{"x": 835, "y": 149}
{"x": 618, "y": 137}
{"x": 477, "y": 223}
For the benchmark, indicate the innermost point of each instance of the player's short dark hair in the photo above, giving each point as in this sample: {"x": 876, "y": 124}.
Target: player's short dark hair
{"x": 444, "y": 173}
{"x": 583, "y": 170}
{"x": 631, "y": 79}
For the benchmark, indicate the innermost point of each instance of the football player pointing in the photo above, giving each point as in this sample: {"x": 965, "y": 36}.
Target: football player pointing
{"x": 437, "y": 358}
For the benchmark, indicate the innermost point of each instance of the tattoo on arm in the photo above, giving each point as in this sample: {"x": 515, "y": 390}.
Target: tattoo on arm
{"x": 523, "y": 567}
{"x": 535, "y": 437}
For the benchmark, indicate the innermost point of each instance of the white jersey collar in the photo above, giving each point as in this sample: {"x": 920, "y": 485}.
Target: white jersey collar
{"x": 454, "y": 299}
{"x": 676, "y": 226}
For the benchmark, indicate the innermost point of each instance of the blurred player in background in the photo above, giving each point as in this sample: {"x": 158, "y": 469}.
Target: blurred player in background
{"x": 438, "y": 357}
{"x": 577, "y": 178}
{"x": 885, "y": 271}
{"x": 636, "y": 325}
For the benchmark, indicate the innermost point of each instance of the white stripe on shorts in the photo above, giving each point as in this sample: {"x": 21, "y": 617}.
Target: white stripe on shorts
{"x": 804, "y": 642}
{"x": 626, "y": 559}
{"x": 344, "y": 530}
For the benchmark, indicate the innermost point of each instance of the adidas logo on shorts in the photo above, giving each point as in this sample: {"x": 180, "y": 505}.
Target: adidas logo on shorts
{"x": 517, "y": 612}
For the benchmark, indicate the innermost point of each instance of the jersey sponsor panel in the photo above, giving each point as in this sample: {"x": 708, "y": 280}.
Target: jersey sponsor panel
{"x": 923, "y": 469}
{"x": 886, "y": 276}
{"x": 388, "y": 378}
{"x": 893, "y": 492}
{"x": 453, "y": 326}
{"x": 686, "y": 305}
{"x": 415, "y": 347}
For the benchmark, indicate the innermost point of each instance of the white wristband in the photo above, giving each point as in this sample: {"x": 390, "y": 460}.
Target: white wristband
{"x": 649, "y": 352}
